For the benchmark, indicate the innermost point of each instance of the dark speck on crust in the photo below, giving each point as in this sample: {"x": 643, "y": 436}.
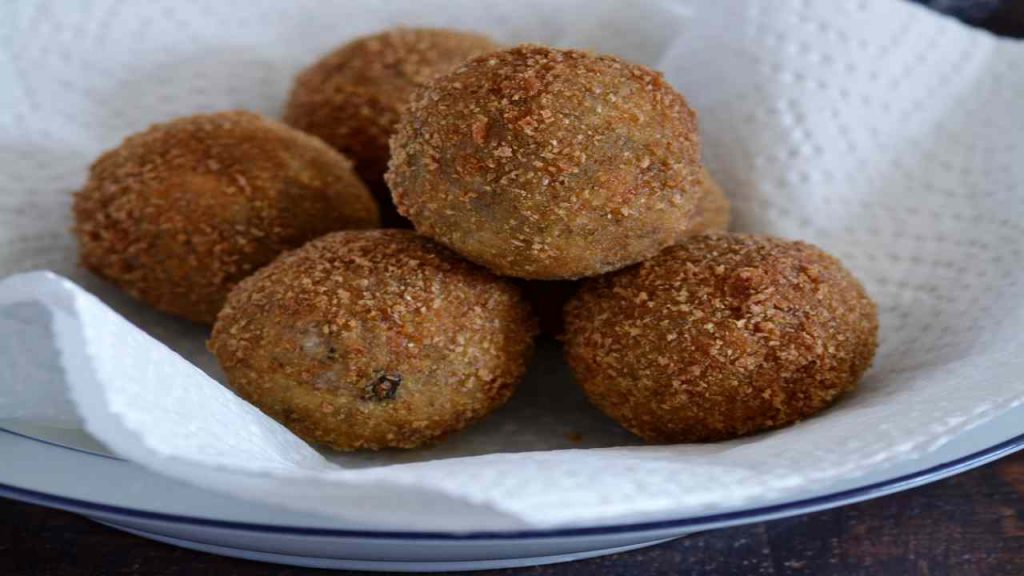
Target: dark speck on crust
{"x": 383, "y": 387}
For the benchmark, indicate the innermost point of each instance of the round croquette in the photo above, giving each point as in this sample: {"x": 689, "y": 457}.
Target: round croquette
{"x": 720, "y": 336}
{"x": 374, "y": 339}
{"x": 548, "y": 164}
{"x": 713, "y": 212}
{"x": 178, "y": 214}
{"x": 352, "y": 98}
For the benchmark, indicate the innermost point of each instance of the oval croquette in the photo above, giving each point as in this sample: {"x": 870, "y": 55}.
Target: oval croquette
{"x": 720, "y": 336}
{"x": 548, "y": 164}
{"x": 178, "y": 214}
{"x": 375, "y": 339}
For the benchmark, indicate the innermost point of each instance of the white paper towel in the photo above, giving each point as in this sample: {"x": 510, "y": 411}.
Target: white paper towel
{"x": 886, "y": 134}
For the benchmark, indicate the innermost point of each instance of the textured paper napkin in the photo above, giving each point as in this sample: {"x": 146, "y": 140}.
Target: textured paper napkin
{"x": 886, "y": 134}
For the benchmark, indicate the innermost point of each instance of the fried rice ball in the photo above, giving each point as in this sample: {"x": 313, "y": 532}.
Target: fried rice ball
{"x": 374, "y": 339}
{"x": 548, "y": 164}
{"x": 713, "y": 212}
{"x": 178, "y": 214}
{"x": 352, "y": 98}
{"x": 720, "y": 336}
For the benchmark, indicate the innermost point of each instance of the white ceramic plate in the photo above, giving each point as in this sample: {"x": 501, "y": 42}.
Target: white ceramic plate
{"x": 68, "y": 470}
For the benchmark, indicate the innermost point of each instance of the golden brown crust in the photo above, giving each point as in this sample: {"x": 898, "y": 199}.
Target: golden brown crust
{"x": 374, "y": 339}
{"x": 713, "y": 212}
{"x": 548, "y": 297}
{"x": 352, "y": 97}
{"x": 547, "y": 164}
{"x": 179, "y": 213}
{"x": 720, "y": 336}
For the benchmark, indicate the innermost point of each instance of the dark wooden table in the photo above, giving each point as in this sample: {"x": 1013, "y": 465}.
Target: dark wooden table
{"x": 971, "y": 524}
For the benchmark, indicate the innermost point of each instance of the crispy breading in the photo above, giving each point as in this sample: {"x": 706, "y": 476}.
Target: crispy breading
{"x": 374, "y": 339}
{"x": 179, "y": 213}
{"x": 548, "y": 164}
{"x": 713, "y": 212}
{"x": 353, "y": 96}
{"x": 720, "y": 336}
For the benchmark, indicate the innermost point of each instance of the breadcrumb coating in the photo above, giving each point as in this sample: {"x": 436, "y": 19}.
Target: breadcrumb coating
{"x": 548, "y": 297}
{"x": 713, "y": 212}
{"x": 374, "y": 339}
{"x": 178, "y": 214}
{"x": 548, "y": 164}
{"x": 352, "y": 97}
{"x": 720, "y": 336}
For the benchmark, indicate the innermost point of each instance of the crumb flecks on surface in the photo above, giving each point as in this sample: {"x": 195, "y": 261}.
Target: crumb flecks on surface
{"x": 374, "y": 339}
{"x": 548, "y": 164}
{"x": 353, "y": 96}
{"x": 720, "y": 336}
{"x": 713, "y": 212}
{"x": 179, "y": 213}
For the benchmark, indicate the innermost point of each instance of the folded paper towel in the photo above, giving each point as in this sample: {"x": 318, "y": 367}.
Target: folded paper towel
{"x": 888, "y": 135}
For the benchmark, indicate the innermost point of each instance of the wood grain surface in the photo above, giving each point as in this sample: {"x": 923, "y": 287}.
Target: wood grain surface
{"x": 971, "y": 525}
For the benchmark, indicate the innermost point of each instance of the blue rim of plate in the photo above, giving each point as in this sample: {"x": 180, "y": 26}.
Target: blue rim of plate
{"x": 937, "y": 472}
